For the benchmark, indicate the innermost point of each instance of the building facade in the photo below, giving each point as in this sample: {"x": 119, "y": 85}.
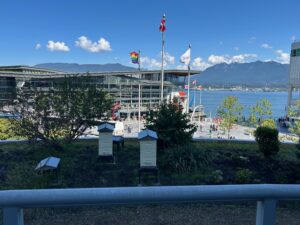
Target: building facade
{"x": 294, "y": 72}
{"x": 123, "y": 86}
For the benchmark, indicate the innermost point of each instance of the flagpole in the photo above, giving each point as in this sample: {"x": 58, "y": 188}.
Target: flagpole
{"x": 162, "y": 66}
{"x": 194, "y": 98}
{"x": 139, "y": 110}
{"x": 189, "y": 78}
{"x": 200, "y": 96}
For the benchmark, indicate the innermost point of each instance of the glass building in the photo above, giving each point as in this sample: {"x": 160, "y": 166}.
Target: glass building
{"x": 123, "y": 86}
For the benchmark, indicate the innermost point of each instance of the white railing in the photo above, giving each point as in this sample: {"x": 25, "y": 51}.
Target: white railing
{"x": 266, "y": 195}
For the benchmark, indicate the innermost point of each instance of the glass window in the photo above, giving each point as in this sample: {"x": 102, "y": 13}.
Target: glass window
{"x": 293, "y": 53}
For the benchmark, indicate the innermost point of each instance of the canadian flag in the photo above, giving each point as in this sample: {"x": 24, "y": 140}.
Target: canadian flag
{"x": 162, "y": 26}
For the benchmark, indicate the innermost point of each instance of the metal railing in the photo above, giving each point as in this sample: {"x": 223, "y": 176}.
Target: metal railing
{"x": 266, "y": 195}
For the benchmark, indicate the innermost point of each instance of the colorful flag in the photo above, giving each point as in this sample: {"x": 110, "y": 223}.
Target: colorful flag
{"x": 186, "y": 57}
{"x": 194, "y": 82}
{"x": 134, "y": 57}
{"x": 186, "y": 86}
{"x": 162, "y": 26}
{"x": 199, "y": 87}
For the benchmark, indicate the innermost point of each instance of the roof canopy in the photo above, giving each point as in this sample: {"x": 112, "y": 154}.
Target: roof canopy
{"x": 106, "y": 127}
{"x": 147, "y": 134}
{"x": 49, "y": 163}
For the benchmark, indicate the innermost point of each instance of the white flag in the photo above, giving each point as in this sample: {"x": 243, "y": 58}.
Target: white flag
{"x": 186, "y": 57}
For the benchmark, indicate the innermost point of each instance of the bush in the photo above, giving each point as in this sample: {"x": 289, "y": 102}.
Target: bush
{"x": 217, "y": 177}
{"x": 267, "y": 140}
{"x": 6, "y": 130}
{"x": 184, "y": 159}
{"x": 243, "y": 176}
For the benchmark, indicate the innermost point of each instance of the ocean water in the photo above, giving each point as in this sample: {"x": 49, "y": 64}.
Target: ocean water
{"x": 212, "y": 99}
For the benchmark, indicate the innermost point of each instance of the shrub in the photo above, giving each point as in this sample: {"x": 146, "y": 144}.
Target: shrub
{"x": 6, "y": 130}
{"x": 216, "y": 177}
{"x": 243, "y": 176}
{"x": 183, "y": 159}
{"x": 267, "y": 140}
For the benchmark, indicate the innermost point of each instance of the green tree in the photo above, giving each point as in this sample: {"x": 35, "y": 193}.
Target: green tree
{"x": 230, "y": 111}
{"x": 62, "y": 113}
{"x": 260, "y": 112}
{"x": 173, "y": 127}
{"x": 268, "y": 123}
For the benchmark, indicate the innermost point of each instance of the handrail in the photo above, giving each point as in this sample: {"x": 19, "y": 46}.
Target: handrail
{"x": 13, "y": 201}
{"x": 144, "y": 195}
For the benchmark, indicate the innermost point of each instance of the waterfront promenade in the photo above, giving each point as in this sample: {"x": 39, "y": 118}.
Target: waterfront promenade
{"x": 204, "y": 131}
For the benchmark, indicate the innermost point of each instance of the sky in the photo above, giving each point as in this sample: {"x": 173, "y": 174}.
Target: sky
{"x": 99, "y": 32}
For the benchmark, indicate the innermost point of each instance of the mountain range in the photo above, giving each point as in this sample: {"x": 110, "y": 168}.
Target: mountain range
{"x": 253, "y": 74}
{"x": 82, "y": 68}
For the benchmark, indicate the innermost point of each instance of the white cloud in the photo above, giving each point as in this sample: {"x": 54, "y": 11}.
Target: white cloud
{"x": 169, "y": 59}
{"x": 199, "y": 64}
{"x": 101, "y": 46}
{"x": 282, "y": 57}
{"x": 216, "y": 59}
{"x": 57, "y": 46}
{"x": 148, "y": 62}
{"x": 38, "y": 46}
{"x": 242, "y": 58}
{"x": 266, "y": 46}
{"x": 156, "y": 63}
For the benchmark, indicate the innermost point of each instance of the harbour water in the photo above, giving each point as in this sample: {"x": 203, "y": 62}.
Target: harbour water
{"x": 211, "y": 100}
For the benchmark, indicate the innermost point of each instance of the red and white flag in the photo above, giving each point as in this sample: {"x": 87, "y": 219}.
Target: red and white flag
{"x": 186, "y": 86}
{"x": 199, "y": 87}
{"x": 162, "y": 26}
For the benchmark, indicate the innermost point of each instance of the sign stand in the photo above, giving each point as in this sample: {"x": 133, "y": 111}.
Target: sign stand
{"x": 105, "y": 149}
{"x": 148, "y": 152}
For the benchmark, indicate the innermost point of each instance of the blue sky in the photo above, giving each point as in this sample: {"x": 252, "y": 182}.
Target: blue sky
{"x": 35, "y": 31}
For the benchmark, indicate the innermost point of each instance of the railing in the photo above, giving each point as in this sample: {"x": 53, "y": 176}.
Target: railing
{"x": 266, "y": 195}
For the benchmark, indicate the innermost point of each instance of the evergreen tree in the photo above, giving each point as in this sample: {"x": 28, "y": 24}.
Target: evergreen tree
{"x": 173, "y": 127}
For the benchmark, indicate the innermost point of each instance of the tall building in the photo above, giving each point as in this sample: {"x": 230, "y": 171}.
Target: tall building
{"x": 294, "y": 72}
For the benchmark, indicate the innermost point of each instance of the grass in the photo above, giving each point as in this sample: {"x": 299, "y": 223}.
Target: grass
{"x": 80, "y": 166}
{"x": 216, "y": 163}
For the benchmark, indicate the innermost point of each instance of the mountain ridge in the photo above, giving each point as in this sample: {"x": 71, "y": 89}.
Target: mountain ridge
{"x": 258, "y": 73}
{"x": 81, "y": 68}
